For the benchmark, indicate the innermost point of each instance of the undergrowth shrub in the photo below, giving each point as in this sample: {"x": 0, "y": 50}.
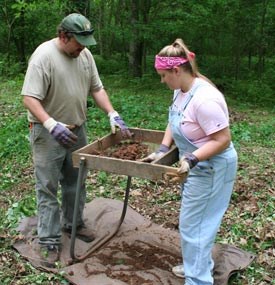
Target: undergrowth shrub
{"x": 254, "y": 92}
{"x": 114, "y": 65}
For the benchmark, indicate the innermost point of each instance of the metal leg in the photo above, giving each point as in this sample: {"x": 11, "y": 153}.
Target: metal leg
{"x": 125, "y": 204}
{"x": 81, "y": 172}
{"x": 110, "y": 235}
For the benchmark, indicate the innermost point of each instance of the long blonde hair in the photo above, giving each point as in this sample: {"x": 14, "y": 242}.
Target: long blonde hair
{"x": 179, "y": 49}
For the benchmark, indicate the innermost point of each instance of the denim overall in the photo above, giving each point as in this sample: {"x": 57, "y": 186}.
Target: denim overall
{"x": 205, "y": 198}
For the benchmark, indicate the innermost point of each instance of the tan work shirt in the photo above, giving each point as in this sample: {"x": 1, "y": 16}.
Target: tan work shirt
{"x": 61, "y": 83}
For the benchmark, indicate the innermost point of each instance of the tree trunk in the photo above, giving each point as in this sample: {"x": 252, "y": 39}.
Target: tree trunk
{"x": 145, "y": 8}
{"x": 9, "y": 27}
{"x": 261, "y": 49}
{"x": 19, "y": 39}
{"x": 101, "y": 16}
{"x": 135, "y": 47}
{"x": 79, "y": 6}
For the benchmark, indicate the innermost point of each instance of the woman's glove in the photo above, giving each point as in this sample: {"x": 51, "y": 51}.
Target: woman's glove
{"x": 60, "y": 132}
{"x": 187, "y": 162}
{"x": 116, "y": 121}
{"x": 157, "y": 154}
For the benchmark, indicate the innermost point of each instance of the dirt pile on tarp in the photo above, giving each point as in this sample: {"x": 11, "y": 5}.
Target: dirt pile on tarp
{"x": 141, "y": 252}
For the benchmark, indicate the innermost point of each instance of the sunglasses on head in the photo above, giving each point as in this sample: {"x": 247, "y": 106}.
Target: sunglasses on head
{"x": 82, "y": 33}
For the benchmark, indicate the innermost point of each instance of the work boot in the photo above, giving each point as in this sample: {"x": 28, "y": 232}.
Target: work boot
{"x": 178, "y": 270}
{"x": 50, "y": 255}
{"x": 82, "y": 233}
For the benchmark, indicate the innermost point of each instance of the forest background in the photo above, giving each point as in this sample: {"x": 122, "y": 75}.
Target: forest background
{"x": 233, "y": 39}
{"x": 234, "y": 45}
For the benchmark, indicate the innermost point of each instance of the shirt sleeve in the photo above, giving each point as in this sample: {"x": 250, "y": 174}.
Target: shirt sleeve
{"x": 212, "y": 117}
{"x": 36, "y": 82}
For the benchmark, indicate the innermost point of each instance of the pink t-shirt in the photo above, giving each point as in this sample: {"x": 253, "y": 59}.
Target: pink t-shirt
{"x": 205, "y": 114}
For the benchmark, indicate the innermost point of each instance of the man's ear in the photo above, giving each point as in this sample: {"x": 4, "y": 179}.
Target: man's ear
{"x": 63, "y": 37}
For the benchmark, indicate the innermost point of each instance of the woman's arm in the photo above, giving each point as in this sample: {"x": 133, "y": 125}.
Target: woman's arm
{"x": 167, "y": 138}
{"x": 219, "y": 142}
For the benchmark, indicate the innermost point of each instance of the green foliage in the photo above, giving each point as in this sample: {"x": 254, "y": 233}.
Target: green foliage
{"x": 30, "y": 275}
{"x": 13, "y": 135}
{"x": 255, "y": 92}
{"x": 39, "y": 19}
{"x": 241, "y": 132}
{"x": 27, "y": 23}
{"x": 18, "y": 210}
{"x": 258, "y": 132}
{"x": 9, "y": 66}
{"x": 114, "y": 65}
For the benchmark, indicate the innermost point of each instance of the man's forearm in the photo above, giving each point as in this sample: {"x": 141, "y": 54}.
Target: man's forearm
{"x": 102, "y": 100}
{"x": 36, "y": 108}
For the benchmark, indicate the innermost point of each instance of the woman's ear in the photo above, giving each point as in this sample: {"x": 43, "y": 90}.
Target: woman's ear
{"x": 176, "y": 70}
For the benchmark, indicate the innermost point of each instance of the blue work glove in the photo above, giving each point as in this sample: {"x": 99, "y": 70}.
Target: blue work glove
{"x": 116, "y": 121}
{"x": 60, "y": 132}
{"x": 157, "y": 154}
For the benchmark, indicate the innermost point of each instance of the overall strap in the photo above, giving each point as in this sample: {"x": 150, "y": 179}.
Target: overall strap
{"x": 191, "y": 95}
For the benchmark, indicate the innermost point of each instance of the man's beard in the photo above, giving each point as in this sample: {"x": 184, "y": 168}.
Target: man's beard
{"x": 75, "y": 54}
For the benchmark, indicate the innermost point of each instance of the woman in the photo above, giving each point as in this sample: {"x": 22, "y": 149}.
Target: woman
{"x": 199, "y": 126}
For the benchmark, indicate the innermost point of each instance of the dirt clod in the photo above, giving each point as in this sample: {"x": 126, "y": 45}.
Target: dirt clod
{"x": 126, "y": 150}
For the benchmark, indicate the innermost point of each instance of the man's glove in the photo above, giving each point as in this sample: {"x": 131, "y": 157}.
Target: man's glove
{"x": 116, "y": 121}
{"x": 60, "y": 132}
{"x": 157, "y": 154}
{"x": 187, "y": 162}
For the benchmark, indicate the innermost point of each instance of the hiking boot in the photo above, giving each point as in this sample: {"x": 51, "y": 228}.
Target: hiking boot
{"x": 178, "y": 270}
{"x": 82, "y": 233}
{"x": 50, "y": 254}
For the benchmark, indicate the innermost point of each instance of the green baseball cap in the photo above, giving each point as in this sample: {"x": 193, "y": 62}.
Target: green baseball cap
{"x": 80, "y": 27}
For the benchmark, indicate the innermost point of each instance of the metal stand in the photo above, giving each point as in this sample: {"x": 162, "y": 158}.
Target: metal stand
{"x": 82, "y": 168}
{"x": 76, "y": 204}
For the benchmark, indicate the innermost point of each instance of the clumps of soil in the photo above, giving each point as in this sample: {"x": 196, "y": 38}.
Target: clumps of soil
{"x": 137, "y": 258}
{"x": 126, "y": 150}
{"x": 141, "y": 256}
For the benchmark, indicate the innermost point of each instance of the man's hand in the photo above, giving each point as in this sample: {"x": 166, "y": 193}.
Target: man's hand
{"x": 116, "y": 121}
{"x": 60, "y": 132}
{"x": 157, "y": 154}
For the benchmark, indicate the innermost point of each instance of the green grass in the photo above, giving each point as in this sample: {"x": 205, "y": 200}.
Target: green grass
{"x": 142, "y": 103}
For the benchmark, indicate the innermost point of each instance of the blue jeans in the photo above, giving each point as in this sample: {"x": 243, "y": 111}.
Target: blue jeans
{"x": 53, "y": 167}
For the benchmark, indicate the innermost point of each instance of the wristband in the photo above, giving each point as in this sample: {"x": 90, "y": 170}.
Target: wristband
{"x": 191, "y": 159}
{"x": 50, "y": 124}
{"x": 113, "y": 114}
{"x": 163, "y": 148}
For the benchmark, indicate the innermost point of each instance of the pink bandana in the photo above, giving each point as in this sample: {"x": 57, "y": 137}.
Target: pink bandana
{"x": 169, "y": 62}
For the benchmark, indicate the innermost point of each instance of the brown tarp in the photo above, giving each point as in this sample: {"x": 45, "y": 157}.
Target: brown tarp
{"x": 140, "y": 253}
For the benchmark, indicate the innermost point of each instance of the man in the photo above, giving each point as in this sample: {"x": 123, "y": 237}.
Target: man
{"x": 60, "y": 76}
